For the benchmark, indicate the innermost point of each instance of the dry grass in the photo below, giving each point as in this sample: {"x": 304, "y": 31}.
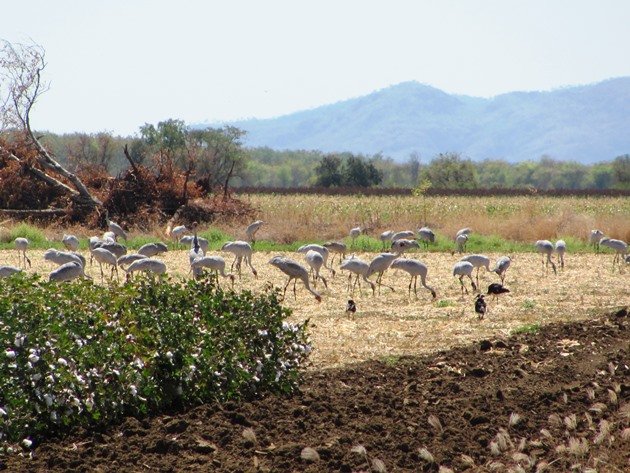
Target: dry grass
{"x": 394, "y": 324}
{"x": 303, "y": 217}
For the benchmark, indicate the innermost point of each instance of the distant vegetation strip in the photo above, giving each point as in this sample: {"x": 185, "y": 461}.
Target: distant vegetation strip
{"x": 395, "y": 191}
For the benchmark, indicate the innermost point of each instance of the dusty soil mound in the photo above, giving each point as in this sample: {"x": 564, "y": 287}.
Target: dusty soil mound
{"x": 559, "y": 397}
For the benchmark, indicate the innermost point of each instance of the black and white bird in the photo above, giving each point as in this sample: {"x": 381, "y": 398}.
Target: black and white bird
{"x": 480, "y": 306}
{"x": 351, "y": 307}
{"x": 495, "y": 289}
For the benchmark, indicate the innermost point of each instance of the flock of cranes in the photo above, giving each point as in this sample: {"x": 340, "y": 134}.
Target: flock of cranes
{"x": 108, "y": 252}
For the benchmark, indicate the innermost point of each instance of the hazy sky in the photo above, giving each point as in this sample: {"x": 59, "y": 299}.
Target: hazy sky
{"x": 115, "y": 65}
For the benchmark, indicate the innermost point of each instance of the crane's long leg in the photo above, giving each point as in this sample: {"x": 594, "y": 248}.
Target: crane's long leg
{"x": 285, "y": 287}
{"x": 472, "y": 283}
{"x": 294, "y": 290}
{"x": 461, "y": 282}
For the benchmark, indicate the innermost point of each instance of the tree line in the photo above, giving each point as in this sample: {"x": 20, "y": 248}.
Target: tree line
{"x": 212, "y": 151}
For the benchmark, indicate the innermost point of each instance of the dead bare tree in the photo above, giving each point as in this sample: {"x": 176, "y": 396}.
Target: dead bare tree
{"x": 21, "y": 84}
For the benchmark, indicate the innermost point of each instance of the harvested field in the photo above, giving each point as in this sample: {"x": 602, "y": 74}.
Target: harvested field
{"x": 394, "y": 324}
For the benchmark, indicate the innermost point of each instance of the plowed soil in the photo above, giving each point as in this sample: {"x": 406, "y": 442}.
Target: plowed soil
{"x": 558, "y": 398}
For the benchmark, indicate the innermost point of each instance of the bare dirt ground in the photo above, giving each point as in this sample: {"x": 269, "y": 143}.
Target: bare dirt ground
{"x": 440, "y": 387}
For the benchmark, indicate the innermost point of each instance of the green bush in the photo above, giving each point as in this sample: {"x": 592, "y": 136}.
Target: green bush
{"x": 82, "y": 354}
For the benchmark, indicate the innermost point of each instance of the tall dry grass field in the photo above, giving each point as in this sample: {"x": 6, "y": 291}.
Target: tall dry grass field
{"x": 394, "y": 323}
{"x": 315, "y": 217}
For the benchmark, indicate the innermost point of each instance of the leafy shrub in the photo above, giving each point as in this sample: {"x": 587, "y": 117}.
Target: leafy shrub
{"x": 82, "y": 354}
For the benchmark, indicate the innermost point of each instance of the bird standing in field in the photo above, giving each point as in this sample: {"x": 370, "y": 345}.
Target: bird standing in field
{"x": 495, "y": 289}
{"x": 619, "y": 246}
{"x": 21, "y": 244}
{"x": 315, "y": 260}
{"x": 68, "y": 272}
{"x": 426, "y": 236}
{"x": 146, "y": 265}
{"x": 561, "y": 249}
{"x": 152, "y": 249}
{"x": 386, "y": 238}
{"x": 359, "y": 267}
{"x": 478, "y": 261}
{"x": 378, "y": 266}
{"x": 115, "y": 228}
{"x": 354, "y": 234}
{"x": 594, "y": 238}
{"x": 215, "y": 264}
{"x": 251, "y": 230}
{"x": 335, "y": 247}
{"x": 351, "y": 307}
{"x": 241, "y": 251}
{"x": 176, "y": 233}
{"x": 414, "y": 268}
{"x": 461, "y": 269}
{"x": 322, "y": 250}
{"x": 6, "y": 271}
{"x": 71, "y": 242}
{"x": 401, "y": 245}
{"x": 295, "y": 271}
{"x": 502, "y": 266}
{"x": 545, "y": 247}
{"x": 480, "y": 306}
{"x": 403, "y": 234}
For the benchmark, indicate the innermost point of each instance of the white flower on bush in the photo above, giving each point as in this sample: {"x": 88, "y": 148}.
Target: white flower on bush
{"x": 138, "y": 363}
{"x": 2, "y": 412}
{"x": 134, "y": 390}
{"x": 62, "y": 361}
{"x": 53, "y": 416}
{"x": 33, "y": 358}
{"x": 10, "y": 354}
{"x": 27, "y": 442}
{"x": 36, "y": 377}
{"x": 262, "y": 333}
{"x": 19, "y": 340}
{"x": 169, "y": 355}
{"x": 49, "y": 400}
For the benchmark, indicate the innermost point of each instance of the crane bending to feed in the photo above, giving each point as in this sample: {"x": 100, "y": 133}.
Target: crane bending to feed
{"x": 295, "y": 271}
{"x": 414, "y": 268}
{"x": 359, "y": 268}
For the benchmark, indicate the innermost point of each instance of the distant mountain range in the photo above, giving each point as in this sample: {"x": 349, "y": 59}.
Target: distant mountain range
{"x": 586, "y": 123}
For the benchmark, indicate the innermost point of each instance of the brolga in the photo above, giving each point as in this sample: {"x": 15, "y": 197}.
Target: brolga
{"x": 414, "y": 268}
{"x": 215, "y": 264}
{"x": 426, "y": 236}
{"x": 67, "y": 272}
{"x": 242, "y": 251}
{"x": 322, "y": 250}
{"x": 401, "y": 245}
{"x": 315, "y": 260}
{"x": 103, "y": 256}
{"x": 379, "y": 265}
{"x": 21, "y": 244}
{"x": 147, "y": 265}
{"x": 461, "y": 269}
{"x": 295, "y": 271}
{"x": 6, "y": 271}
{"x": 71, "y": 242}
{"x": 358, "y": 267}
{"x": 561, "y": 249}
{"x": 152, "y": 249}
{"x": 354, "y": 234}
{"x": 478, "y": 261}
{"x": 545, "y": 247}
{"x": 336, "y": 248}
{"x": 620, "y": 248}
{"x": 501, "y": 267}
{"x": 386, "y": 238}
{"x": 594, "y": 237}
{"x": 251, "y": 230}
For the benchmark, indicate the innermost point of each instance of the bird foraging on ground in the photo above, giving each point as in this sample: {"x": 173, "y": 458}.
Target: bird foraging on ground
{"x": 495, "y": 289}
{"x": 295, "y": 271}
{"x": 480, "y": 306}
{"x": 351, "y": 307}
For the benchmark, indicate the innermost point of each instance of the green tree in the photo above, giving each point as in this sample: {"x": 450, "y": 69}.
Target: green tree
{"x": 359, "y": 173}
{"x": 621, "y": 170}
{"x": 450, "y": 171}
{"x": 329, "y": 172}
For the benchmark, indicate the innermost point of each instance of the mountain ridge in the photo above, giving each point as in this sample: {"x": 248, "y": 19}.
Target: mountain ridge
{"x": 584, "y": 123}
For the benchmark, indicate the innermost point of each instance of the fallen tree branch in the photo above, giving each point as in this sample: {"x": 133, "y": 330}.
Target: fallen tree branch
{"x": 34, "y": 211}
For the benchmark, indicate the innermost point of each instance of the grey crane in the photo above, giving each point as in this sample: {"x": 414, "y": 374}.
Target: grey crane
{"x": 386, "y": 238}
{"x": 21, "y": 245}
{"x": 414, "y": 268}
{"x": 103, "y": 256}
{"x": 152, "y": 266}
{"x": 379, "y": 265}
{"x": 463, "y": 231}
{"x": 67, "y": 272}
{"x": 402, "y": 244}
{"x": 404, "y": 234}
{"x": 315, "y": 260}
{"x": 176, "y": 232}
{"x": 251, "y": 230}
{"x": 152, "y": 249}
{"x": 71, "y": 242}
{"x": 501, "y": 267}
{"x": 460, "y": 242}
{"x": 561, "y": 249}
{"x": 360, "y": 268}
{"x": 113, "y": 247}
{"x": 242, "y": 251}
{"x": 478, "y": 261}
{"x": 61, "y": 257}
{"x": 545, "y": 247}
{"x": 126, "y": 260}
{"x": 461, "y": 269}
{"x": 215, "y": 264}
{"x": 426, "y": 236}
{"x": 354, "y": 234}
{"x": 115, "y": 228}
{"x": 295, "y": 271}
{"x": 109, "y": 236}
{"x": 336, "y": 248}
{"x": 620, "y": 248}
{"x": 594, "y": 237}
{"x": 322, "y": 250}
{"x": 203, "y": 243}
{"x": 6, "y": 271}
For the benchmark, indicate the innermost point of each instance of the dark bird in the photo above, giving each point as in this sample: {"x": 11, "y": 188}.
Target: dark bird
{"x": 495, "y": 289}
{"x": 351, "y": 307}
{"x": 480, "y": 306}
